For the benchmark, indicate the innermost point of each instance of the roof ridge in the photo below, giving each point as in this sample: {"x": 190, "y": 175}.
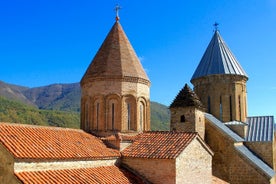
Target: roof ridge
{"x": 40, "y": 126}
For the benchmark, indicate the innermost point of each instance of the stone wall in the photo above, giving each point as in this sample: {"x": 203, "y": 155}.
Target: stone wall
{"x": 194, "y": 165}
{"x": 224, "y": 96}
{"x": 104, "y": 106}
{"x": 6, "y": 167}
{"x": 154, "y": 170}
{"x": 228, "y": 164}
{"x": 34, "y": 165}
{"x": 194, "y": 120}
{"x": 240, "y": 129}
{"x": 263, "y": 150}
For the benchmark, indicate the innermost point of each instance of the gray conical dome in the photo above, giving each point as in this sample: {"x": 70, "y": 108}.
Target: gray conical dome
{"x": 218, "y": 59}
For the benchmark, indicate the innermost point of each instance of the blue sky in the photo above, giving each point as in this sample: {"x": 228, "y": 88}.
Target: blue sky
{"x": 48, "y": 41}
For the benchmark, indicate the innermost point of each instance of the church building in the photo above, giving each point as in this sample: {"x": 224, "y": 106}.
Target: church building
{"x": 211, "y": 138}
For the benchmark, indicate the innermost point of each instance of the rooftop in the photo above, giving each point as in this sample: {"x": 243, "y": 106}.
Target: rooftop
{"x": 39, "y": 142}
{"x": 82, "y": 175}
{"x": 218, "y": 59}
{"x": 116, "y": 59}
{"x": 161, "y": 145}
{"x": 260, "y": 128}
{"x": 187, "y": 97}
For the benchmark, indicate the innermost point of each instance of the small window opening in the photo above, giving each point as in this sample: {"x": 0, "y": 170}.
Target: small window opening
{"x": 182, "y": 119}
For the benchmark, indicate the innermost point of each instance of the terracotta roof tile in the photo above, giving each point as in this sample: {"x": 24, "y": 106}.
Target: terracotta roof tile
{"x": 38, "y": 142}
{"x": 116, "y": 59}
{"x": 108, "y": 174}
{"x": 161, "y": 145}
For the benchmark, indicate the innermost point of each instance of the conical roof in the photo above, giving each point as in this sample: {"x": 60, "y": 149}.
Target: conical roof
{"x": 218, "y": 59}
{"x": 186, "y": 98}
{"x": 116, "y": 59}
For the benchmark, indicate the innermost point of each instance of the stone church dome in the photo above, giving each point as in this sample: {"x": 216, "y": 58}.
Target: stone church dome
{"x": 116, "y": 59}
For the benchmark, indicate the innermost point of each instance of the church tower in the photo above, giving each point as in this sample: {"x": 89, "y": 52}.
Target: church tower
{"x": 115, "y": 89}
{"x": 220, "y": 82}
{"x": 187, "y": 112}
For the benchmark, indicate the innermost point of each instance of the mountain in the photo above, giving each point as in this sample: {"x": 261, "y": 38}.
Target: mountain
{"x": 17, "y": 112}
{"x": 14, "y": 92}
{"x": 66, "y": 97}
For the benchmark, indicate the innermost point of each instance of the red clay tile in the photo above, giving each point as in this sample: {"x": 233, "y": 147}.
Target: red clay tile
{"x": 84, "y": 175}
{"x": 161, "y": 145}
{"x": 38, "y": 142}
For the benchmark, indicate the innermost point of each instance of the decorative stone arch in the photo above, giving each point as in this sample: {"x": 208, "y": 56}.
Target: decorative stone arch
{"x": 98, "y": 118}
{"x": 85, "y": 113}
{"x": 113, "y": 112}
{"x": 129, "y": 113}
{"x": 142, "y": 114}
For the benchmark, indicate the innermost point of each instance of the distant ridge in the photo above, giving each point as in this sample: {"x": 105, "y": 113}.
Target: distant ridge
{"x": 66, "y": 97}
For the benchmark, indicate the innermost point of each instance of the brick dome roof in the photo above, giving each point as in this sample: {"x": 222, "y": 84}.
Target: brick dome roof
{"x": 116, "y": 59}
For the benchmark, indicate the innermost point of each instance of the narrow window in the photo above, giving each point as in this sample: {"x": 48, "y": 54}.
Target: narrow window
{"x": 182, "y": 119}
{"x": 112, "y": 116}
{"x": 245, "y": 105}
{"x": 209, "y": 104}
{"x": 97, "y": 115}
{"x": 240, "y": 107}
{"x": 86, "y": 117}
{"x": 128, "y": 116}
{"x": 230, "y": 108}
{"x": 220, "y": 108}
{"x": 141, "y": 117}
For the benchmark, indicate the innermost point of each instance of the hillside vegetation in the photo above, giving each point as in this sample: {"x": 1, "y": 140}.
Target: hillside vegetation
{"x": 56, "y": 105}
{"x": 16, "y": 112}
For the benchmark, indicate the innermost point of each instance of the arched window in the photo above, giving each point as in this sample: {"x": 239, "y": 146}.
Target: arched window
{"x": 182, "y": 119}
{"x": 86, "y": 116}
{"x": 113, "y": 116}
{"x": 128, "y": 116}
{"x": 96, "y": 118}
{"x": 141, "y": 116}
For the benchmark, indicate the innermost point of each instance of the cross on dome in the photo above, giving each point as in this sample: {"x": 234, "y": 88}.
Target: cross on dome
{"x": 216, "y": 26}
{"x": 117, "y": 8}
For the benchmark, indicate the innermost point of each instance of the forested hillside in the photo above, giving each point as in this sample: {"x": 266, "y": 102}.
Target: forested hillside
{"x": 17, "y": 112}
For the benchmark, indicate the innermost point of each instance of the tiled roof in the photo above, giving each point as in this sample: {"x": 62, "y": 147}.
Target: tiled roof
{"x": 187, "y": 97}
{"x": 161, "y": 145}
{"x": 260, "y": 128}
{"x": 116, "y": 59}
{"x": 108, "y": 174}
{"x": 218, "y": 59}
{"x": 38, "y": 142}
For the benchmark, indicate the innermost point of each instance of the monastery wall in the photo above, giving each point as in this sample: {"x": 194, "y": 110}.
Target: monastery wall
{"x": 54, "y": 165}
{"x": 155, "y": 170}
{"x": 228, "y": 164}
{"x": 194, "y": 120}
{"x": 6, "y": 167}
{"x": 194, "y": 165}
{"x": 263, "y": 150}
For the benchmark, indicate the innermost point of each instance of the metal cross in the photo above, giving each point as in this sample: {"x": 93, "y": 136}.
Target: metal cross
{"x": 117, "y": 8}
{"x": 216, "y": 26}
